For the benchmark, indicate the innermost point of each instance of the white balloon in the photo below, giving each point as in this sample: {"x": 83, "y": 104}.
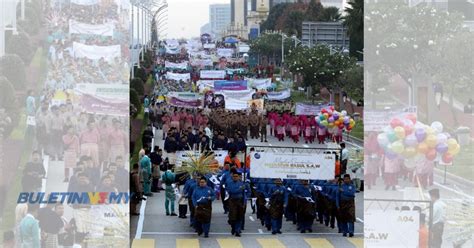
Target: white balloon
{"x": 437, "y": 126}
{"x": 383, "y": 140}
{"x": 441, "y": 138}
{"x": 344, "y": 113}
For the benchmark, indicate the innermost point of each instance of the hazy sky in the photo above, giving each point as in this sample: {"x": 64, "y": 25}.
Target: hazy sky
{"x": 186, "y": 17}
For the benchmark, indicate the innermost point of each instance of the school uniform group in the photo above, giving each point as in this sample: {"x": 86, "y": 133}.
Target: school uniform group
{"x": 300, "y": 202}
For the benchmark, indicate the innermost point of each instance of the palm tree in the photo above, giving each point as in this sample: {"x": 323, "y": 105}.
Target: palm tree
{"x": 197, "y": 165}
{"x": 354, "y": 21}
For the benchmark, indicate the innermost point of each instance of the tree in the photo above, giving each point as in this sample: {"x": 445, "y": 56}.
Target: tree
{"x": 8, "y": 105}
{"x": 268, "y": 45}
{"x": 330, "y": 14}
{"x": 140, "y": 73}
{"x": 294, "y": 21}
{"x": 32, "y": 21}
{"x": 275, "y": 12}
{"x": 20, "y": 45}
{"x": 137, "y": 85}
{"x": 314, "y": 11}
{"x": 354, "y": 21}
{"x": 13, "y": 68}
{"x": 135, "y": 101}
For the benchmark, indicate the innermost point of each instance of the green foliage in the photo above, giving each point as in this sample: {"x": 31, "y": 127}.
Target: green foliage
{"x": 20, "y": 45}
{"x": 140, "y": 73}
{"x": 314, "y": 11}
{"x": 269, "y": 45}
{"x": 197, "y": 165}
{"x": 138, "y": 85}
{"x": 13, "y": 68}
{"x": 354, "y": 21}
{"x": 275, "y": 13}
{"x": 319, "y": 66}
{"x": 353, "y": 79}
{"x": 135, "y": 100}
{"x": 8, "y": 103}
{"x": 330, "y": 14}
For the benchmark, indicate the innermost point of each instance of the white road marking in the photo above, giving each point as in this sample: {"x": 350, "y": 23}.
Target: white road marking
{"x": 243, "y": 233}
{"x": 270, "y": 144}
{"x": 141, "y": 219}
{"x": 360, "y": 220}
{"x": 251, "y": 218}
{"x": 306, "y": 146}
{"x": 453, "y": 190}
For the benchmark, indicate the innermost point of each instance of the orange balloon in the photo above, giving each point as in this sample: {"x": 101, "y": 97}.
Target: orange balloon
{"x": 422, "y": 148}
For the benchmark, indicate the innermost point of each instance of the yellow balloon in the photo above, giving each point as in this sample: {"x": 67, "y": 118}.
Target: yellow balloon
{"x": 331, "y": 124}
{"x": 430, "y": 131}
{"x": 452, "y": 143}
{"x": 409, "y": 152}
{"x": 431, "y": 140}
{"x": 341, "y": 118}
{"x": 455, "y": 150}
{"x": 399, "y": 132}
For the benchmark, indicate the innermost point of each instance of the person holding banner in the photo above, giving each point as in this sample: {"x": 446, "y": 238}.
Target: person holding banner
{"x": 346, "y": 206}
{"x": 278, "y": 201}
{"x": 280, "y": 127}
{"x": 202, "y": 201}
{"x": 237, "y": 197}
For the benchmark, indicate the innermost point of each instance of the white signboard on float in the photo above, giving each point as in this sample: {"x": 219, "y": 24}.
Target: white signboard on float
{"x": 311, "y": 166}
{"x": 391, "y": 228}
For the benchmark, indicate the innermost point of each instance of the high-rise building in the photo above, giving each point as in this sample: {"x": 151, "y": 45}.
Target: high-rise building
{"x": 219, "y": 18}
{"x": 238, "y": 12}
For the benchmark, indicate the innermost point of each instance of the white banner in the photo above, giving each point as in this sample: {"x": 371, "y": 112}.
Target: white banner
{"x": 183, "y": 65}
{"x": 115, "y": 91}
{"x": 201, "y": 62}
{"x": 178, "y": 76}
{"x": 96, "y": 52}
{"x": 243, "y": 95}
{"x": 172, "y": 50}
{"x": 280, "y": 95}
{"x": 76, "y": 27}
{"x": 312, "y": 166}
{"x": 205, "y": 84}
{"x": 209, "y": 46}
{"x": 211, "y": 74}
{"x": 225, "y": 52}
{"x": 235, "y": 104}
{"x": 244, "y": 48}
{"x": 377, "y": 120}
{"x": 259, "y": 83}
{"x": 85, "y": 2}
{"x": 391, "y": 228}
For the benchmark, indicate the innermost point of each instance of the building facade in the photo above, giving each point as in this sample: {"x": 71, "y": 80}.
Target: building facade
{"x": 219, "y": 18}
{"x": 331, "y": 33}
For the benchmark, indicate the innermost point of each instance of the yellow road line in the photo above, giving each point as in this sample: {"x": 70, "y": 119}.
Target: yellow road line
{"x": 229, "y": 243}
{"x": 143, "y": 243}
{"x": 187, "y": 243}
{"x": 270, "y": 243}
{"x": 357, "y": 242}
{"x": 318, "y": 243}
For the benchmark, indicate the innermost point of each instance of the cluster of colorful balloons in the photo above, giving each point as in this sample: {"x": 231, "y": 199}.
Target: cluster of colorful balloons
{"x": 333, "y": 119}
{"x": 406, "y": 138}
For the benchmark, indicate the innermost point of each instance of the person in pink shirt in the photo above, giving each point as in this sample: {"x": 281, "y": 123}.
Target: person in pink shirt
{"x": 272, "y": 117}
{"x": 391, "y": 170}
{"x": 117, "y": 141}
{"x": 188, "y": 122}
{"x": 182, "y": 118}
{"x": 104, "y": 131}
{"x": 175, "y": 117}
{"x": 90, "y": 139}
{"x": 295, "y": 129}
{"x": 423, "y": 172}
{"x": 321, "y": 134}
{"x": 338, "y": 135}
{"x": 280, "y": 129}
{"x": 204, "y": 122}
{"x": 166, "y": 124}
{"x": 71, "y": 151}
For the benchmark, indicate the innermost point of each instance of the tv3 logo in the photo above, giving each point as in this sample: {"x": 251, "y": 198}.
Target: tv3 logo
{"x": 405, "y": 219}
